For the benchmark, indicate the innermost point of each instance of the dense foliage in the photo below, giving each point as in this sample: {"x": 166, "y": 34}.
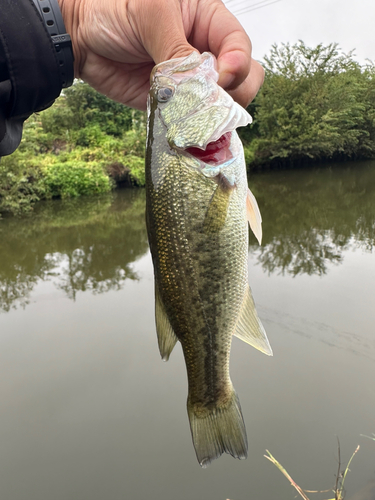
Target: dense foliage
{"x": 84, "y": 144}
{"x": 316, "y": 103}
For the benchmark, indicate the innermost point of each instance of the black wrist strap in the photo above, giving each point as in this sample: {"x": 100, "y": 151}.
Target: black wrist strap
{"x": 50, "y": 13}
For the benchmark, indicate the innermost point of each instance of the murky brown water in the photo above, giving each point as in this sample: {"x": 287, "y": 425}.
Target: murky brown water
{"x": 88, "y": 409}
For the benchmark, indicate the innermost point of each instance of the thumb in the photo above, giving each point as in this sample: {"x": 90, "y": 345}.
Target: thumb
{"x": 159, "y": 27}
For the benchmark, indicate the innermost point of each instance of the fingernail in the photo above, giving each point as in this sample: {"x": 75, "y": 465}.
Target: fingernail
{"x": 226, "y": 79}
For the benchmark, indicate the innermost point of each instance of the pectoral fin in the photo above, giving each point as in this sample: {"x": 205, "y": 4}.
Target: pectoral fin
{"x": 253, "y": 215}
{"x": 249, "y": 328}
{"x": 166, "y": 337}
{"x": 218, "y": 208}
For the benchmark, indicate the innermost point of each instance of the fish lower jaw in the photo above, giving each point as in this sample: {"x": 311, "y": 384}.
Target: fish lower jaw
{"x": 215, "y": 153}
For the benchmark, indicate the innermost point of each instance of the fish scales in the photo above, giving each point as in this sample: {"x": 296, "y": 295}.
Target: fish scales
{"x": 198, "y": 235}
{"x": 197, "y": 307}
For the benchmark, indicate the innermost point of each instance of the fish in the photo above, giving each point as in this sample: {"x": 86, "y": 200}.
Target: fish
{"x": 198, "y": 206}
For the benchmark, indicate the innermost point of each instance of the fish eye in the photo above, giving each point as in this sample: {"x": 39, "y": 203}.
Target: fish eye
{"x": 165, "y": 93}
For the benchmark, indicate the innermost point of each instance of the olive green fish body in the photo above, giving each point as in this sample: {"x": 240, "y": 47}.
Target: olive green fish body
{"x": 198, "y": 234}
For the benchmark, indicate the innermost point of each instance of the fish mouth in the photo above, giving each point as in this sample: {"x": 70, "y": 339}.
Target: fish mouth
{"x": 216, "y": 152}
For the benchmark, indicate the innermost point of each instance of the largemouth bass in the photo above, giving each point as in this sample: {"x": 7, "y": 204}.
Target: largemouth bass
{"x": 198, "y": 207}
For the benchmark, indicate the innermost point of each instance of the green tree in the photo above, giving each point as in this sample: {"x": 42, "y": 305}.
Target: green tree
{"x": 84, "y": 144}
{"x": 316, "y": 103}
{"x": 81, "y": 106}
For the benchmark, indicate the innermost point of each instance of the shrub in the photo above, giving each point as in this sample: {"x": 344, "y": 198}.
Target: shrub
{"x": 74, "y": 178}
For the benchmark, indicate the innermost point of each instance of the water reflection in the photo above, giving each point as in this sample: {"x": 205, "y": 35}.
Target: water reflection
{"x": 88, "y": 408}
{"x": 80, "y": 245}
{"x": 311, "y": 217}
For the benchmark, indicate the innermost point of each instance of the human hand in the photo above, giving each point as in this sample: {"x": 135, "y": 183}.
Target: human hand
{"x": 116, "y": 43}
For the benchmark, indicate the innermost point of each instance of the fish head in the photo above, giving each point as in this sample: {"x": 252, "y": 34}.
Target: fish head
{"x": 198, "y": 115}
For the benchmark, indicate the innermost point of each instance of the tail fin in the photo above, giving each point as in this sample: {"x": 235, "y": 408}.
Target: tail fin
{"x": 219, "y": 430}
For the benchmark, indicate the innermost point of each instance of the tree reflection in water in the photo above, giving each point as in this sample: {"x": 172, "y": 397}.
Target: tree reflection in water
{"x": 308, "y": 253}
{"x": 85, "y": 244}
{"x": 310, "y": 218}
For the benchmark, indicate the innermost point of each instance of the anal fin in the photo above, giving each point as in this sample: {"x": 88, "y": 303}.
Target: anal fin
{"x": 166, "y": 337}
{"x": 249, "y": 327}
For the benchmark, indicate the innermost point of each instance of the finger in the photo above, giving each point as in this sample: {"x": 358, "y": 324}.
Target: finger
{"x": 249, "y": 88}
{"x": 159, "y": 27}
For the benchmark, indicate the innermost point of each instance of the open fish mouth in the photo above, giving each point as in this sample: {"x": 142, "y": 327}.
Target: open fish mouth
{"x": 216, "y": 152}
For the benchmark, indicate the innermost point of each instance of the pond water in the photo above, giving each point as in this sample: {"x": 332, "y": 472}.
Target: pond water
{"x": 88, "y": 409}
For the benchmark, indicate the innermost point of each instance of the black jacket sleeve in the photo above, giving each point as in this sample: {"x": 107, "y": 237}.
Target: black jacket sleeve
{"x": 29, "y": 72}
